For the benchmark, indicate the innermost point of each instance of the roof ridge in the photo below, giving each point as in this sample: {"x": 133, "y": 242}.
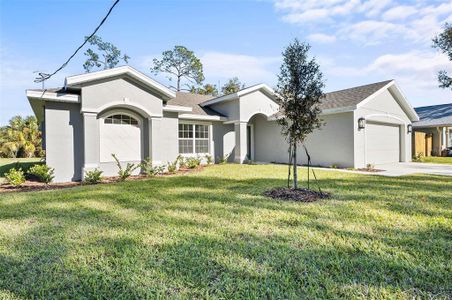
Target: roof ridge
{"x": 360, "y": 86}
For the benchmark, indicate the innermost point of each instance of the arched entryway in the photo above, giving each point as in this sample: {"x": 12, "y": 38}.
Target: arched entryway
{"x": 255, "y": 126}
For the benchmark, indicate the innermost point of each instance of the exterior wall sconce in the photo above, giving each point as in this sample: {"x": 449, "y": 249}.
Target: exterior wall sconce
{"x": 409, "y": 128}
{"x": 361, "y": 123}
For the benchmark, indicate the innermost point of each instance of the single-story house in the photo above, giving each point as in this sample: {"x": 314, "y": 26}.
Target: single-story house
{"x": 436, "y": 121}
{"x": 123, "y": 111}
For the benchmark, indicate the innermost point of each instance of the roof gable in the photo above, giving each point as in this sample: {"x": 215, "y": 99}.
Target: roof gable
{"x": 78, "y": 80}
{"x": 351, "y": 97}
{"x": 258, "y": 87}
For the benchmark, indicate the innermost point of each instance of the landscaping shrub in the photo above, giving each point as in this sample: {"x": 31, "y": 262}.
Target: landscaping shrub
{"x": 15, "y": 177}
{"x": 172, "y": 167}
{"x": 43, "y": 173}
{"x": 149, "y": 169}
{"x": 124, "y": 173}
{"x": 370, "y": 167}
{"x": 209, "y": 159}
{"x": 93, "y": 176}
{"x": 181, "y": 161}
{"x": 224, "y": 159}
{"x": 193, "y": 162}
{"x": 418, "y": 157}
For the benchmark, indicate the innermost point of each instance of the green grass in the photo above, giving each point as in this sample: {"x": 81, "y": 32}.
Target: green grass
{"x": 212, "y": 235}
{"x": 437, "y": 160}
{"x": 24, "y": 163}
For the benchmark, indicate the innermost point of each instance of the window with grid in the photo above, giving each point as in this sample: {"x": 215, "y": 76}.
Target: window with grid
{"x": 193, "y": 143}
{"x": 120, "y": 119}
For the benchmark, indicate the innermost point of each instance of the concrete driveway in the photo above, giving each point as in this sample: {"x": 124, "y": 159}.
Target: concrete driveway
{"x": 399, "y": 169}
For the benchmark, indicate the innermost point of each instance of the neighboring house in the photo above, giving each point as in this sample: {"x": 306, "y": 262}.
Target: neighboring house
{"x": 436, "y": 120}
{"x": 125, "y": 112}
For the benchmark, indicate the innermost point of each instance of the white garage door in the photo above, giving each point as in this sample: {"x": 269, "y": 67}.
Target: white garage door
{"x": 120, "y": 134}
{"x": 382, "y": 143}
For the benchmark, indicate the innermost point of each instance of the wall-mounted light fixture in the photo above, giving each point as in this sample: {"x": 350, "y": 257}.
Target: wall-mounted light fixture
{"x": 361, "y": 123}
{"x": 409, "y": 128}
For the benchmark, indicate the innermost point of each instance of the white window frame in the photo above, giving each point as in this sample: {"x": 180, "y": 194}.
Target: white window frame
{"x": 193, "y": 126}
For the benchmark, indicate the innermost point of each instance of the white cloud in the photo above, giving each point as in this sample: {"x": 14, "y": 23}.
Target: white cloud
{"x": 369, "y": 22}
{"x": 322, "y": 38}
{"x": 399, "y": 13}
{"x": 249, "y": 69}
{"x": 415, "y": 71}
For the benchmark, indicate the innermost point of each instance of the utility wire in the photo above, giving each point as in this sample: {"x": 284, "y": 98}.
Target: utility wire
{"x": 44, "y": 76}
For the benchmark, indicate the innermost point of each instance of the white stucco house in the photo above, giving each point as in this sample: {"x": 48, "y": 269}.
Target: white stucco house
{"x": 125, "y": 112}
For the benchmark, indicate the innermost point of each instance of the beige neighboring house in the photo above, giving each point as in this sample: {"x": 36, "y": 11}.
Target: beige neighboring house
{"x": 436, "y": 120}
{"x": 123, "y": 111}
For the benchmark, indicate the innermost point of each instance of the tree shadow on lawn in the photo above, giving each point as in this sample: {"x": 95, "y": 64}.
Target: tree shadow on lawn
{"x": 197, "y": 257}
{"x": 243, "y": 265}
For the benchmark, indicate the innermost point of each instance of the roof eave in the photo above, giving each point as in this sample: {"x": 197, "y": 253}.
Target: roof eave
{"x": 77, "y": 80}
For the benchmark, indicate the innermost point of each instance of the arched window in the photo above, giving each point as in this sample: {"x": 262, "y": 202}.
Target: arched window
{"x": 120, "y": 119}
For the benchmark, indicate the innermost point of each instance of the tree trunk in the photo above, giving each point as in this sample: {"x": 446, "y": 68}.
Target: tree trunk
{"x": 295, "y": 173}
{"x": 178, "y": 84}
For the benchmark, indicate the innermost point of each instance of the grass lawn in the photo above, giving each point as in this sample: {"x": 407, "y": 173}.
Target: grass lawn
{"x": 437, "y": 160}
{"x": 24, "y": 163}
{"x": 212, "y": 235}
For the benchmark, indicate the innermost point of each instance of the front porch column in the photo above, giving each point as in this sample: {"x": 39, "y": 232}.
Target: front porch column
{"x": 90, "y": 142}
{"x": 240, "y": 142}
{"x": 154, "y": 132}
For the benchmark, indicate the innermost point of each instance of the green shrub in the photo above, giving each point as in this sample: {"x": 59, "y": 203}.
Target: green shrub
{"x": 93, "y": 176}
{"x": 181, "y": 161}
{"x": 223, "y": 160}
{"x": 15, "y": 177}
{"x": 418, "y": 157}
{"x": 370, "y": 167}
{"x": 149, "y": 169}
{"x": 172, "y": 167}
{"x": 209, "y": 159}
{"x": 42, "y": 172}
{"x": 193, "y": 162}
{"x": 124, "y": 173}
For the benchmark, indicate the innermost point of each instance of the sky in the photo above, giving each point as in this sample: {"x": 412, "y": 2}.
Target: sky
{"x": 355, "y": 41}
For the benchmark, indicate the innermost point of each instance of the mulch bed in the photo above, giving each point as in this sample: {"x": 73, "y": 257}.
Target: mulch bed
{"x": 31, "y": 185}
{"x": 369, "y": 170}
{"x": 300, "y": 194}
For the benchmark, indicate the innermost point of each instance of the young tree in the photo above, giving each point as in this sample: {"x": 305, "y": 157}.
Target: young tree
{"x": 443, "y": 42}
{"x": 180, "y": 63}
{"x": 298, "y": 93}
{"x": 111, "y": 55}
{"x": 206, "y": 89}
{"x": 232, "y": 86}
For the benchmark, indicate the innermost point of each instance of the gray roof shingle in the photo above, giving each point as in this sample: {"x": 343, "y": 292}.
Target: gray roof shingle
{"x": 434, "y": 115}
{"x": 350, "y": 97}
{"x": 193, "y": 101}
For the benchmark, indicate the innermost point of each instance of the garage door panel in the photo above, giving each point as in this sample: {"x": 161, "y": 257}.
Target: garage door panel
{"x": 382, "y": 143}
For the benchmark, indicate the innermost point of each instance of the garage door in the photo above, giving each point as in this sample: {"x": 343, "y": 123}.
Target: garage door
{"x": 120, "y": 134}
{"x": 382, "y": 143}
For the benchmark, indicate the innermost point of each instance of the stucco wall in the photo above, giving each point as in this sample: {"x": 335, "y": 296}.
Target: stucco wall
{"x": 64, "y": 140}
{"x": 383, "y": 108}
{"x": 255, "y": 103}
{"x": 332, "y": 144}
{"x": 224, "y": 140}
{"x": 230, "y": 109}
{"x": 119, "y": 91}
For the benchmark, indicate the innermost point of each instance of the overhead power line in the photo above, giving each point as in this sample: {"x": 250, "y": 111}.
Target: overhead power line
{"x": 44, "y": 76}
